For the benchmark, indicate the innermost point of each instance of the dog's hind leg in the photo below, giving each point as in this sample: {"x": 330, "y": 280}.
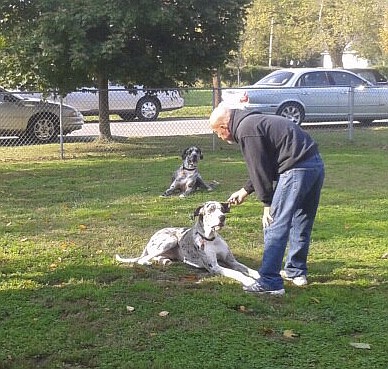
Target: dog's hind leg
{"x": 163, "y": 245}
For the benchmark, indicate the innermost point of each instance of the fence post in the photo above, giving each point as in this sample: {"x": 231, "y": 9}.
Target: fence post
{"x": 61, "y": 127}
{"x": 351, "y": 113}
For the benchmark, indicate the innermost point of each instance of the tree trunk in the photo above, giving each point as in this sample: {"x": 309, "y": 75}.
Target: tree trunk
{"x": 216, "y": 87}
{"x": 103, "y": 108}
{"x": 336, "y": 57}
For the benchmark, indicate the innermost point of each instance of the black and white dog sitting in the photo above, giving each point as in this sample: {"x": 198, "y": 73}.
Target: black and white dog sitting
{"x": 186, "y": 178}
{"x": 200, "y": 246}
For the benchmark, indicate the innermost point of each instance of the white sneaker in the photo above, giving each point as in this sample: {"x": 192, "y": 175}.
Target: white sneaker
{"x": 297, "y": 281}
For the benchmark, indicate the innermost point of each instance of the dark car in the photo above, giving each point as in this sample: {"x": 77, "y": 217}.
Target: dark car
{"x": 370, "y": 74}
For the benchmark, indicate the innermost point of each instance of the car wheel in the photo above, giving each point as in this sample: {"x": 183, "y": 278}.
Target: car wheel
{"x": 127, "y": 116}
{"x": 292, "y": 111}
{"x": 148, "y": 108}
{"x": 43, "y": 128}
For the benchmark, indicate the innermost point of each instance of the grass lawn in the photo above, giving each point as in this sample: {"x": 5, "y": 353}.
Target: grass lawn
{"x": 65, "y": 303}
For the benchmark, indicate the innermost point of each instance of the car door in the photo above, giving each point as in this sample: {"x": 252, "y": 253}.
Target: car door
{"x": 318, "y": 96}
{"x": 367, "y": 98}
{"x": 85, "y": 99}
{"x": 13, "y": 114}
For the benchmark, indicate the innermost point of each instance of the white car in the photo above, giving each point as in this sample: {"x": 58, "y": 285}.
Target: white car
{"x": 146, "y": 104}
{"x": 34, "y": 119}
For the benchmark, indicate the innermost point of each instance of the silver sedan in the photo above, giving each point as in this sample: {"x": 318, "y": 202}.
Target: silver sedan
{"x": 313, "y": 94}
{"x": 35, "y": 120}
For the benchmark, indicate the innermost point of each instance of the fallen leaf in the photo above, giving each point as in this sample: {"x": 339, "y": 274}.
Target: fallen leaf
{"x": 385, "y": 256}
{"x": 82, "y": 227}
{"x": 189, "y": 278}
{"x": 360, "y": 345}
{"x": 130, "y": 309}
{"x": 289, "y": 333}
{"x": 163, "y": 313}
{"x": 267, "y": 331}
{"x": 315, "y": 300}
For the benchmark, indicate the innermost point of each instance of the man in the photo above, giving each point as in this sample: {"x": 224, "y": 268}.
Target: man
{"x": 286, "y": 172}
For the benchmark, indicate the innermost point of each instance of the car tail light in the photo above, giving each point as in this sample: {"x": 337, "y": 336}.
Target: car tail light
{"x": 244, "y": 98}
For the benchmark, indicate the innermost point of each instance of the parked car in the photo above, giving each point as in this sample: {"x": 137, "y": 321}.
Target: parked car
{"x": 145, "y": 104}
{"x": 35, "y": 119}
{"x": 370, "y": 74}
{"x": 313, "y": 94}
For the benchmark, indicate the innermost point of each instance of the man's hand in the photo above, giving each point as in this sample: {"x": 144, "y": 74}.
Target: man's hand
{"x": 238, "y": 197}
{"x": 267, "y": 218}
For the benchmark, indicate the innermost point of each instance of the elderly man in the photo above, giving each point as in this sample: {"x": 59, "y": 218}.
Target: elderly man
{"x": 286, "y": 173}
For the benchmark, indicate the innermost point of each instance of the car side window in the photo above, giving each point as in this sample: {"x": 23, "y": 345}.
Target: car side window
{"x": 275, "y": 79}
{"x": 314, "y": 79}
{"x": 345, "y": 79}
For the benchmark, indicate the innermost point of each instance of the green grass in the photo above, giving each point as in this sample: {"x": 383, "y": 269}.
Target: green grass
{"x": 63, "y": 299}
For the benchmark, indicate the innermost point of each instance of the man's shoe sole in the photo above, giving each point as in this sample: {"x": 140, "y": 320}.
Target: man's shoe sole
{"x": 264, "y": 292}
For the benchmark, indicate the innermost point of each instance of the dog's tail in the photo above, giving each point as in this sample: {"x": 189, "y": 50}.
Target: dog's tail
{"x": 126, "y": 260}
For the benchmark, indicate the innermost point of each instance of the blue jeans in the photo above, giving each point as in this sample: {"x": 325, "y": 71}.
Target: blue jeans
{"x": 293, "y": 209}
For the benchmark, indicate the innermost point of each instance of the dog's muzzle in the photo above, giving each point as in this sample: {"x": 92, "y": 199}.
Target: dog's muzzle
{"x": 221, "y": 222}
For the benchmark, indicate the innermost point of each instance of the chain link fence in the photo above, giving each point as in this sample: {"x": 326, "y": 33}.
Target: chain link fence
{"x": 34, "y": 125}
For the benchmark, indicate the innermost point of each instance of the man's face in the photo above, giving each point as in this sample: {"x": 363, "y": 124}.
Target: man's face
{"x": 219, "y": 123}
{"x": 222, "y": 131}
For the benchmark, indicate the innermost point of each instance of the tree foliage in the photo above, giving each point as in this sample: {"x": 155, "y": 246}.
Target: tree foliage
{"x": 303, "y": 29}
{"x": 69, "y": 44}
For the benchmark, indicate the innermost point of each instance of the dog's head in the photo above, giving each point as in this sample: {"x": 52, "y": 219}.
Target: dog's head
{"x": 191, "y": 156}
{"x": 212, "y": 214}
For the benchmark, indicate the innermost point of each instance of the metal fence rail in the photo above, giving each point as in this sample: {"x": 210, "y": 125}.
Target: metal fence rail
{"x": 31, "y": 121}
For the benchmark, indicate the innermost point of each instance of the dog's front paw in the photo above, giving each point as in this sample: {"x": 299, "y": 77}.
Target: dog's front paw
{"x": 254, "y": 274}
{"x": 248, "y": 281}
{"x": 213, "y": 185}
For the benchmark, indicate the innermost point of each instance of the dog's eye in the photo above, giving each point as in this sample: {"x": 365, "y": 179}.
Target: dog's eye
{"x": 211, "y": 208}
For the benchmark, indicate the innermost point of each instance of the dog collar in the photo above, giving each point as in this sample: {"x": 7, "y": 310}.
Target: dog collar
{"x": 205, "y": 238}
{"x": 189, "y": 168}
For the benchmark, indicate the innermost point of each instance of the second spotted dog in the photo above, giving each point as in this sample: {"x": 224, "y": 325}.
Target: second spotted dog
{"x": 186, "y": 178}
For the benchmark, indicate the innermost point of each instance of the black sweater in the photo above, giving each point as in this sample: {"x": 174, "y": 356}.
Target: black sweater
{"x": 270, "y": 145}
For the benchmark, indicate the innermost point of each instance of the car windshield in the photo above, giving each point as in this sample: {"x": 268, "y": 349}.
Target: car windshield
{"x": 276, "y": 78}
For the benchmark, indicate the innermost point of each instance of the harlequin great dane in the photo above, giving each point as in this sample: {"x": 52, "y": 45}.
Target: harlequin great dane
{"x": 186, "y": 179}
{"x": 199, "y": 246}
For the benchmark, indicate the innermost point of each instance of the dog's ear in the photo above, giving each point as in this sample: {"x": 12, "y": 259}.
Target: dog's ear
{"x": 198, "y": 211}
{"x": 225, "y": 207}
{"x": 184, "y": 153}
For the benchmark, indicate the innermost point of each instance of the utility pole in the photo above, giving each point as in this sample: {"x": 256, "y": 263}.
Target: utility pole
{"x": 270, "y": 44}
